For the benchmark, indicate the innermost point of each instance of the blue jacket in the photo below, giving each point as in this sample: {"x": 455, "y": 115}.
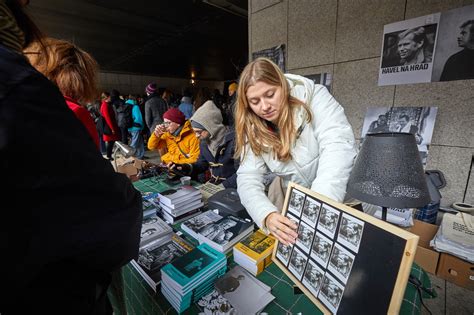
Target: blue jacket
{"x": 224, "y": 156}
{"x": 136, "y": 115}
{"x": 187, "y": 109}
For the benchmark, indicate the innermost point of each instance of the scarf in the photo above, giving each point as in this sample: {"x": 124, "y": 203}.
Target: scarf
{"x": 10, "y": 34}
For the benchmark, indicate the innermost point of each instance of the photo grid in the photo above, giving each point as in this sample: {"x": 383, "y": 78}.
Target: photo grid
{"x": 325, "y": 250}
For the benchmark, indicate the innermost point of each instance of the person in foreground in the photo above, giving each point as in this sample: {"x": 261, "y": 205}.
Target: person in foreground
{"x": 68, "y": 219}
{"x": 288, "y": 125}
{"x": 73, "y": 71}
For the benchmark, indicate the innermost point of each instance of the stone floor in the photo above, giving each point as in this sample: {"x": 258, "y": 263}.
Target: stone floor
{"x": 451, "y": 298}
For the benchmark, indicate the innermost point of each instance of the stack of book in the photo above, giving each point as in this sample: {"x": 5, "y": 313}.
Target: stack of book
{"x": 154, "y": 229}
{"x": 180, "y": 204}
{"x": 246, "y": 294}
{"x": 155, "y": 255}
{"x": 254, "y": 252}
{"x": 208, "y": 189}
{"x": 190, "y": 277}
{"x": 221, "y": 232}
{"x": 150, "y": 203}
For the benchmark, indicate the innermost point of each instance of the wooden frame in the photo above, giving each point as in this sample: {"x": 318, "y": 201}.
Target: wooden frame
{"x": 406, "y": 259}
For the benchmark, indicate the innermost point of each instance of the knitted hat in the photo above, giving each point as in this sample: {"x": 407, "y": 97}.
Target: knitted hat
{"x": 151, "y": 88}
{"x": 233, "y": 87}
{"x": 175, "y": 115}
{"x": 197, "y": 125}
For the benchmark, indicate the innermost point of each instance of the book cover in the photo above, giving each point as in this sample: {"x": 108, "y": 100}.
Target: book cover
{"x": 153, "y": 228}
{"x": 225, "y": 232}
{"x": 181, "y": 218}
{"x": 192, "y": 266}
{"x": 177, "y": 195}
{"x": 193, "y": 225}
{"x": 239, "y": 287}
{"x": 257, "y": 246}
{"x": 153, "y": 256}
{"x": 150, "y": 203}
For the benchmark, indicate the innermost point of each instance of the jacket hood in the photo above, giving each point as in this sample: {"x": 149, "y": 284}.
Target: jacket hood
{"x": 303, "y": 89}
{"x": 210, "y": 117}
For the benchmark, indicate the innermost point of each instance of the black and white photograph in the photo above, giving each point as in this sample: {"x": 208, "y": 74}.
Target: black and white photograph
{"x": 321, "y": 78}
{"x": 311, "y": 210}
{"x": 328, "y": 220}
{"x": 331, "y": 293}
{"x": 293, "y": 219}
{"x": 296, "y": 202}
{"x": 321, "y": 249}
{"x": 152, "y": 258}
{"x": 297, "y": 263}
{"x": 275, "y": 54}
{"x": 341, "y": 262}
{"x": 408, "y": 50}
{"x": 305, "y": 237}
{"x": 350, "y": 232}
{"x": 283, "y": 253}
{"x": 455, "y": 46}
{"x": 417, "y": 120}
{"x": 313, "y": 277}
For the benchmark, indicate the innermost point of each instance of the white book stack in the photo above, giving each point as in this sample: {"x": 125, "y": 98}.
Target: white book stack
{"x": 177, "y": 203}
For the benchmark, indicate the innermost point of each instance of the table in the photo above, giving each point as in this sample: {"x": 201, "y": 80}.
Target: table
{"x": 129, "y": 291}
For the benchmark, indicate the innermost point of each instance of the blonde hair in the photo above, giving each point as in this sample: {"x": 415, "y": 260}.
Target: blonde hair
{"x": 253, "y": 130}
{"x": 73, "y": 70}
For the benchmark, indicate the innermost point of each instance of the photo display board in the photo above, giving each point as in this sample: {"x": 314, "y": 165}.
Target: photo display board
{"x": 344, "y": 260}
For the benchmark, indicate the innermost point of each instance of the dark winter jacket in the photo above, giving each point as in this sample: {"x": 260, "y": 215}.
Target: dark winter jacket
{"x": 155, "y": 107}
{"x": 222, "y": 165}
{"x": 70, "y": 218}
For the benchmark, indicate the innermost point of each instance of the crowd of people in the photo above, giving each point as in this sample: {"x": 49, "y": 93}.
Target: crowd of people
{"x": 82, "y": 218}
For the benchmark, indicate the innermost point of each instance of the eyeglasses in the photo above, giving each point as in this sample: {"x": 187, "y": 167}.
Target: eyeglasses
{"x": 198, "y": 132}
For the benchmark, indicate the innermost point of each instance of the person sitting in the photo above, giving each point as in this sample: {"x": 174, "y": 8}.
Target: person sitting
{"x": 176, "y": 137}
{"x": 217, "y": 148}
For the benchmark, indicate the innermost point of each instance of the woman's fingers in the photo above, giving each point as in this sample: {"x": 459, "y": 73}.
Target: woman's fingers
{"x": 283, "y": 228}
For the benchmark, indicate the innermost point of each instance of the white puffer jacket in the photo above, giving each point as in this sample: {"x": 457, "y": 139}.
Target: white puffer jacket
{"x": 323, "y": 155}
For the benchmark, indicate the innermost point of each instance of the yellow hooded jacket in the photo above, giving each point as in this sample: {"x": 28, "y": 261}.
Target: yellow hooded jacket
{"x": 186, "y": 140}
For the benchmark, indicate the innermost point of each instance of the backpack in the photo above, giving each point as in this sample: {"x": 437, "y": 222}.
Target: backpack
{"x": 124, "y": 115}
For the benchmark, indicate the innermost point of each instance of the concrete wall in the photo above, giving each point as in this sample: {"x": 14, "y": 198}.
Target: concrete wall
{"x": 136, "y": 83}
{"x": 344, "y": 38}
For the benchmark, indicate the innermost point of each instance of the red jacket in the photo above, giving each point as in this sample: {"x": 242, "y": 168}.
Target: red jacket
{"x": 83, "y": 115}
{"x": 108, "y": 113}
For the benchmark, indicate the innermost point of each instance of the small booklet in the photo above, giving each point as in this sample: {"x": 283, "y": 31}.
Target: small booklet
{"x": 246, "y": 294}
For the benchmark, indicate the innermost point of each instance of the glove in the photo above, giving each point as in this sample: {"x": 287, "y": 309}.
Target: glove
{"x": 183, "y": 169}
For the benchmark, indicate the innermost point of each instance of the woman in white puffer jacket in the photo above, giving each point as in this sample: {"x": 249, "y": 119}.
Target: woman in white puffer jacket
{"x": 294, "y": 128}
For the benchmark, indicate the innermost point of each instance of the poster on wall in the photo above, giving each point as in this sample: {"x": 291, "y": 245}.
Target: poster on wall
{"x": 416, "y": 120}
{"x": 455, "y": 46}
{"x": 321, "y": 78}
{"x": 275, "y": 54}
{"x": 408, "y": 50}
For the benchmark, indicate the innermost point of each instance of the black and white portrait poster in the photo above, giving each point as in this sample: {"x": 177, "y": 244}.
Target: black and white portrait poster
{"x": 455, "y": 46}
{"x": 321, "y": 78}
{"x": 283, "y": 253}
{"x": 297, "y": 263}
{"x": 313, "y": 277}
{"x": 419, "y": 121}
{"x": 350, "y": 232}
{"x": 340, "y": 263}
{"x": 305, "y": 237}
{"x": 331, "y": 293}
{"x": 408, "y": 50}
{"x": 296, "y": 202}
{"x": 321, "y": 249}
{"x": 328, "y": 220}
{"x": 275, "y": 54}
{"x": 311, "y": 211}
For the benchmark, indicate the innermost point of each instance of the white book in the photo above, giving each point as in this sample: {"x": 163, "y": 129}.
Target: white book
{"x": 173, "y": 220}
{"x": 174, "y": 196}
{"x": 193, "y": 225}
{"x": 153, "y": 228}
{"x": 182, "y": 210}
